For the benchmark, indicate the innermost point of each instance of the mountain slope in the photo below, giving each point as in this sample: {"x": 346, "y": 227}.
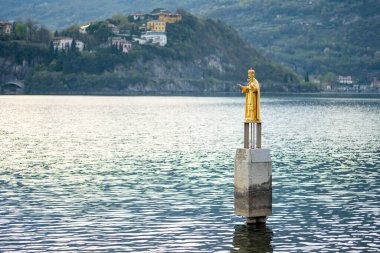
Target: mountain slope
{"x": 310, "y": 36}
{"x": 315, "y": 36}
{"x": 201, "y": 55}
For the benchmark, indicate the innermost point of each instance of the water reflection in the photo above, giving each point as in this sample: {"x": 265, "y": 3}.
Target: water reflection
{"x": 155, "y": 174}
{"x": 253, "y": 238}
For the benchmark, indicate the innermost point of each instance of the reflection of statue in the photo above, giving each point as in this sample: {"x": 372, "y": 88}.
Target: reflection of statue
{"x": 252, "y": 111}
{"x": 252, "y": 239}
{"x": 252, "y": 98}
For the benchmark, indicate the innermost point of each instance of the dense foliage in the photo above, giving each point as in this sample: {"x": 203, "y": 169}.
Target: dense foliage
{"x": 209, "y": 51}
{"x": 318, "y": 37}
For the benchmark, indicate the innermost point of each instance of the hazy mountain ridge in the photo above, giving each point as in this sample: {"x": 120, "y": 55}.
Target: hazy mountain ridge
{"x": 311, "y": 36}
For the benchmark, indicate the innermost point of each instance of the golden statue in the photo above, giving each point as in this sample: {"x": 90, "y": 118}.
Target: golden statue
{"x": 252, "y": 98}
{"x": 252, "y": 120}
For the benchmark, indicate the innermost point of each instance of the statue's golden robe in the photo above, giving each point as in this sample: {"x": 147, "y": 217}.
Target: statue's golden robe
{"x": 252, "y": 101}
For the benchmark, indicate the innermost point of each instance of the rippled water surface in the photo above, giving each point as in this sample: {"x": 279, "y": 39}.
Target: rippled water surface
{"x": 155, "y": 174}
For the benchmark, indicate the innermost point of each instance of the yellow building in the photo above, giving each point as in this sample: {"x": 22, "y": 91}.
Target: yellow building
{"x": 156, "y": 26}
{"x": 5, "y": 28}
{"x": 170, "y": 18}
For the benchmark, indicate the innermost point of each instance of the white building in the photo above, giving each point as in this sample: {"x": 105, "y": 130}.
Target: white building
{"x": 140, "y": 41}
{"x": 375, "y": 84}
{"x": 64, "y": 44}
{"x": 83, "y": 28}
{"x": 154, "y": 38}
{"x": 345, "y": 80}
{"x": 123, "y": 43}
{"x": 6, "y": 27}
{"x": 138, "y": 16}
{"x": 114, "y": 29}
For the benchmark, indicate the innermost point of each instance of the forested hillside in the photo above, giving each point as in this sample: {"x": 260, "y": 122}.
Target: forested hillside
{"x": 311, "y": 36}
{"x": 315, "y": 36}
{"x": 202, "y": 55}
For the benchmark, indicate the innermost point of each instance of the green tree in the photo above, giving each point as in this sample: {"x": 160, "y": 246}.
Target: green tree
{"x": 307, "y": 77}
{"x": 31, "y": 29}
{"x": 100, "y": 31}
{"x": 43, "y": 35}
{"x": 73, "y": 46}
{"x": 20, "y": 31}
{"x": 51, "y": 49}
{"x": 329, "y": 77}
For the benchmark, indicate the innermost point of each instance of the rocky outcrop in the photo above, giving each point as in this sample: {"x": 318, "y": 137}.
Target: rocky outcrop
{"x": 11, "y": 71}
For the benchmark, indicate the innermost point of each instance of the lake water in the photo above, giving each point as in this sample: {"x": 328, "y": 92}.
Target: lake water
{"x": 155, "y": 174}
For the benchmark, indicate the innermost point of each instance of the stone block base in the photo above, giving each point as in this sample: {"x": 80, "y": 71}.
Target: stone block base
{"x": 253, "y": 183}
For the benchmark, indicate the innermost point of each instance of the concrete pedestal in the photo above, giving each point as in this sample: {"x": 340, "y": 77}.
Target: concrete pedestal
{"x": 253, "y": 184}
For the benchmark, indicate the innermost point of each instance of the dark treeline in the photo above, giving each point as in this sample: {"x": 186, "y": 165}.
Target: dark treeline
{"x": 30, "y": 31}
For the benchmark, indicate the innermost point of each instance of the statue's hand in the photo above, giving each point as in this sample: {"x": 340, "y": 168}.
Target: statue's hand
{"x": 239, "y": 85}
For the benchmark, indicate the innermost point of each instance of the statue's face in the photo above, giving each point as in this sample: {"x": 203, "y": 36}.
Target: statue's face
{"x": 251, "y": 75}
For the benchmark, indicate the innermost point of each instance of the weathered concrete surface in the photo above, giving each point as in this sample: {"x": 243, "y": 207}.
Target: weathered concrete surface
{"x": 253, "y": 183}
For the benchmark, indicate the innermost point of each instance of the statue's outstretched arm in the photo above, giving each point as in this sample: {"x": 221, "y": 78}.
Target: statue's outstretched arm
{"x": 244, "y": 89}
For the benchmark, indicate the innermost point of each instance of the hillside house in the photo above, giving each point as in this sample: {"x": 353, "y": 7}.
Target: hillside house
{"x": 345, "y": 83}
{"x": 64, "y": 44}
{"x": 326, "y": 86}
{"x": 375, "y": 85}
{"x": 6, "y": 28}
{"x": 124, "y": 33}
{"x": 83, "y": 29}
{"x": 156, "y": 26}
{"x": 119, "y": 42}
{"x": 364, "y": 88}
{"x": 142, "y": 27}
{"x": 345, "y": 80}
{"x": 138, "y": 16}
{"x": 156, "y": 13}
{"x": 170, "y": 18}
{"x": 154, "y": 38}
{"x": 114, "y": 29}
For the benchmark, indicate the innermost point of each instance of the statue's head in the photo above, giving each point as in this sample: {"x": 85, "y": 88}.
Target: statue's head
{"x": 251, "y": 74}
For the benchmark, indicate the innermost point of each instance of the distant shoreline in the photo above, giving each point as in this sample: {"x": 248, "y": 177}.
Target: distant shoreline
{"x": 323, "y": 94}
{"x": 211, "y": 94}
